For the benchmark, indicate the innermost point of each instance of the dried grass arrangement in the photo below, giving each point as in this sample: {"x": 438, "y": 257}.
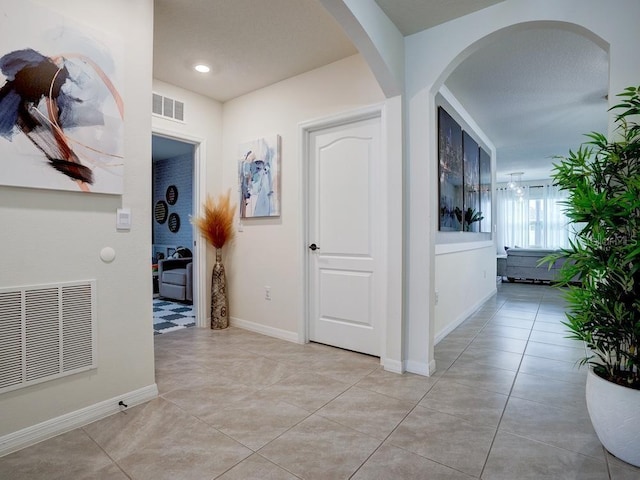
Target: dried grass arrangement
{"x": 216, "y": 225}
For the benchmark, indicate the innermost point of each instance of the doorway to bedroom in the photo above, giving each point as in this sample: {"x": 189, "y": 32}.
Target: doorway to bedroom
{"x": 172, "y": 234}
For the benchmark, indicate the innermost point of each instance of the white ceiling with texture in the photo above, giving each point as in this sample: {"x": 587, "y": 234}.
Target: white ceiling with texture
{"x": 412, "y": 16}
{"x": 533, "y": 92}
{"x": 249, "y": 44}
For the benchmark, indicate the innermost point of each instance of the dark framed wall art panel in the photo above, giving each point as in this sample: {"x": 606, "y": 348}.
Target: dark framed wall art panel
{"x": 450, "y": 172}
{"x": 485, "y": 191}
{"x": 470, "y": 214}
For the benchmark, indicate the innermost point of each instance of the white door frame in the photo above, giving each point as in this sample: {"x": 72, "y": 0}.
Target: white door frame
{"x": 199, "y": 193}
{"x": 305, "y": 130}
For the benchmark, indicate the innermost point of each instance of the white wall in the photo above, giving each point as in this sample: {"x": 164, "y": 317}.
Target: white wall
{"x": 465, "y": 263}
{"x": 456, "y": 110}
{"x": 430, "y": 56}
{"x": 202, "y": 123}
{"x": 53, "y": 236}
{"x": 377, "y": 39}
{"x": 202, "y": 126}
{"x": 465, "y": 279}
{"x": 269, "y": 251}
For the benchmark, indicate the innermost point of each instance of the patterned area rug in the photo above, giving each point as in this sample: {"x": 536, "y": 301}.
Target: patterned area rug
{"x": 169, "y": 316}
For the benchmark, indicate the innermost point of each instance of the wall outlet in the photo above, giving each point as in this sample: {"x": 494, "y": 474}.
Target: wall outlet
{"x": 484, "y": 274}
{"x": 437, "y": 297}
{"x": 267, "y": 292}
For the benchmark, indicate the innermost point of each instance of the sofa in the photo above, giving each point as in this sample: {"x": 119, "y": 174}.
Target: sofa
{"x": 175, "y": 279}
{"x": 522, "y": 264}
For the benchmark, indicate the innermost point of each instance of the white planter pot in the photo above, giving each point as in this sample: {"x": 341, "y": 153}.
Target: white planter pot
{"x": 615, "y": 415}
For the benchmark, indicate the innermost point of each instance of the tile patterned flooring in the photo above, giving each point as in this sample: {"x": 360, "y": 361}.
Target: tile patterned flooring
{"x": 169, "y": 316}
{"x": 507, "y": 403}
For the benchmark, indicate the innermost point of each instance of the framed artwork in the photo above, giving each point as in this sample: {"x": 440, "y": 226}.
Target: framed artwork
{"x": 172, "y": 194}
{"x": 485, "y": 191}
{"x": 61, "y": 113}
{"x": 471, "y": 213}
{"x": 449, "y": 171}
{"x": 161, "y": 210}
{"x": 174, "y": 222}
{"x": 259, "y": 177}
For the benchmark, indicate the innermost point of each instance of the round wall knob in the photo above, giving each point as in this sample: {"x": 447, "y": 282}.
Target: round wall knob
{"x": 107, "y": 254}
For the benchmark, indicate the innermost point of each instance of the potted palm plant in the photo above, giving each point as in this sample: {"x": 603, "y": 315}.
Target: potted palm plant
{"x": 603, "y": 309}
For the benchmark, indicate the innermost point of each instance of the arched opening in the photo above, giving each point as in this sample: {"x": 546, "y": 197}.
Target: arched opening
{"x": 528, "y": 91}
{"x": 534, "y": 88}
{"x": 432, "y": 56}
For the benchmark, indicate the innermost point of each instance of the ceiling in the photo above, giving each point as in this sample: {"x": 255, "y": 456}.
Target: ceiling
{"x": 412, "y": 16}
{"x": 249, "y": 44}
{"x": 533, "y": 92}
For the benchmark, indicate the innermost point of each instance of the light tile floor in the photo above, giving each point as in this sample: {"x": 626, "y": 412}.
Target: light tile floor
{"x": 507, "y": 403}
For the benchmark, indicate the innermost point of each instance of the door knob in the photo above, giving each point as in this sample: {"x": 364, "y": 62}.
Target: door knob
{"x": 314, "y": 247}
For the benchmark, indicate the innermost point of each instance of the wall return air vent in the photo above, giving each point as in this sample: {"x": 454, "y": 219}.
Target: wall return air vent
{"x": 48, "y": 332}
{"x": 168, "y": 107}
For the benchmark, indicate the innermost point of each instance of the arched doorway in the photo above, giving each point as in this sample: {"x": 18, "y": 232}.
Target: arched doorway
{"x": 442, "y": 56}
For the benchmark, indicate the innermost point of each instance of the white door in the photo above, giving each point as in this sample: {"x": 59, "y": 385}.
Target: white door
{"x": 343, "y": 236}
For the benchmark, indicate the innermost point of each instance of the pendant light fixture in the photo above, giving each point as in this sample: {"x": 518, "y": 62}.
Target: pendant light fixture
{"x": 515, "y": 184}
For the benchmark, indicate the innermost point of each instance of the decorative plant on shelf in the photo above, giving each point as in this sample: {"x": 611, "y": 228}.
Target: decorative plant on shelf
{"x": 470, "y": 216}
{"x": 603, "y": 181}
{"x": 216, "y": 225}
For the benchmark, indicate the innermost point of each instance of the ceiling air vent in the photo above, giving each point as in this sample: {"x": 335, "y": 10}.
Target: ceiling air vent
{"x": 168, "y": 107}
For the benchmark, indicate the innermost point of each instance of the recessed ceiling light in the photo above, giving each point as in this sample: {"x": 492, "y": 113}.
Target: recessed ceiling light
{"x": 202, "y": 68}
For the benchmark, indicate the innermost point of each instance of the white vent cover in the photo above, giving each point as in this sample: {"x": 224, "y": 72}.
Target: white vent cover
{"x": 168, "y": 107}
{"x": 46, "y": 332}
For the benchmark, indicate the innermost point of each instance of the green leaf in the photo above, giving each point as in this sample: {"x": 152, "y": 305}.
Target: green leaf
{"x": 602, "y": 178}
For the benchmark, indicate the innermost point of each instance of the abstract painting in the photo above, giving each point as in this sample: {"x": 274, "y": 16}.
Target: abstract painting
{"x": 259, "y": 177}
{"x": 471, "y": 168}
{"x": 485, "y": 190}
{"x": 61, "y": 113}
{"x": 450, "y": 171}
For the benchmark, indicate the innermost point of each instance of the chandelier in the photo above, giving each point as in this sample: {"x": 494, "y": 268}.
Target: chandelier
{"x": 515, "y": 184}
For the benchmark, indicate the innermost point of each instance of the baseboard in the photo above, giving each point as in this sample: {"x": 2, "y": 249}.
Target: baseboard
{"x": 70, "y": 421}
{"x": 394, "y": 366}
{"x": 462, "y": 317}
{"x": 432, "y": 367}
{"x": 419, "y": 368}
{"x": 264, "y": 329}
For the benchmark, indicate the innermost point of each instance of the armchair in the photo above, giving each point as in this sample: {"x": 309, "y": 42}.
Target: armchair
{"x": 175, "y": 278}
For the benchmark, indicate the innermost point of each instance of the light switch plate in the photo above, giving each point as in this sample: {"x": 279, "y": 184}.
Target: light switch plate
{"x": 123, "y": 219}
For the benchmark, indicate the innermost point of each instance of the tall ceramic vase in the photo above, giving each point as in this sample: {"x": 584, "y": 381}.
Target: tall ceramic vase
{"x": 219, "y": 300}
